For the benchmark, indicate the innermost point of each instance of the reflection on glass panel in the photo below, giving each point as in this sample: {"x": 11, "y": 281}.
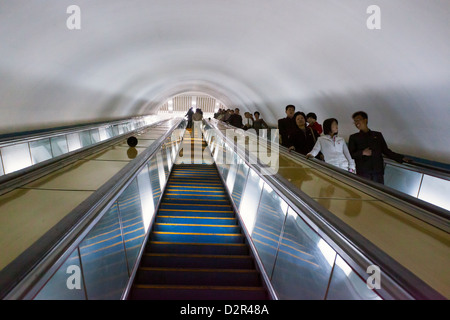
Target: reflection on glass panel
{"x": 163, "y": 154}
{"x": 1, "y": 164}
{"x": 109, "y": 132}
{"x": 269, "y": 223}
{"x": 169, "y": 157}
{"x": 232, "y": 174}
{"x": 250, "y": 200}
{"x": 161, "y": 169}
{"x": 239, "y": 182}
{"x": 132, "y": 224}
{"x": 226, "y": 162}
{"x": 115, "y": 130}
{"x": 59, "y": 145}
{"x": 154, "y": 180}
{"x": 103, "y": 134}
{"x": 67, "y": 283}
{"x": 347, "y": 285}
{"x": 403, "y": 180}
{"x": 146, "y": 196}
{"x": 95, "y": 135}
{"x": 73, "y": 141}
{"x": 435, "y": 191}
{"x": 303, "y": 266}
{"x": 103, "y": 259}
{"x": 85, "y": 138}
{"x": 16, "y": 157}
{"x": 40, "y": 150}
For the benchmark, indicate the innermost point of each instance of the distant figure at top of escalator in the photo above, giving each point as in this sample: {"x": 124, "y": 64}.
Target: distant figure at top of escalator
{"x": 286, "y": 125}
{"x": 236, "y": 119}
{"x": 189, "y": 114}
{"x": 367, "y": 148}
{"x": 198, "y": 115}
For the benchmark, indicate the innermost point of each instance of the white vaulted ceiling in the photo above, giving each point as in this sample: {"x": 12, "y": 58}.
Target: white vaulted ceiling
{"x": 131, "y": 56}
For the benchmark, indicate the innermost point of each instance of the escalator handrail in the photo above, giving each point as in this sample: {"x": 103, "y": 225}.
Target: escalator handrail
{"x": 398, "y": 283}
{"x": 421, "y": 168}
{"x": 49, "y": 133}
{"x": 87, "y": 214}
{"x": 420, "y": 209}
{"x": 13, "y": 180}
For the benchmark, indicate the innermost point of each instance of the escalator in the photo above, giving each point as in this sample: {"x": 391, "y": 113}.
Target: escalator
{"x": 196, "y": 249}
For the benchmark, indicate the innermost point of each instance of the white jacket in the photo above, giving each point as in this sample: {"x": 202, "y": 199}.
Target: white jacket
{"x": 335, "y": 152}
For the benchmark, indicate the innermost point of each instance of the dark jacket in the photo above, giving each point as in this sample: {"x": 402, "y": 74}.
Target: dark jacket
{"x": 285, "y": 126}
{"x": 303, "y": 141}
{"x": 375, "y": 141}
{"x": 235, "y": 120}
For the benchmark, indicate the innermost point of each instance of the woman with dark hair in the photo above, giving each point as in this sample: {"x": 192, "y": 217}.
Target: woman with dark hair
{"x": 333, "y": 148}
{"x": 301, "y": 138}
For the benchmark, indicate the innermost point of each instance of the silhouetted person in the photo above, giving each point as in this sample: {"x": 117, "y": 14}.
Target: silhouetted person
{"x": 286, "y": 125}
{"x": 367, "y": 148}
{"x": 189, "y": 114}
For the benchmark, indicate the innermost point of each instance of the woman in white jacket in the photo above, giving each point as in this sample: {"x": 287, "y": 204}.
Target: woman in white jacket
{"x": 333, "y": 148}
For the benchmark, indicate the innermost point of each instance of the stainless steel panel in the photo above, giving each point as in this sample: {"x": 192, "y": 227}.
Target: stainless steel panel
{"x": 103, "y": 259}
{"x": 268, "y": 226}
{"x": 347, "y": 285}
{"x": 303, "y": 266}
{"x": 59, "y": 145}
{"x": 41, "y": 150}
{"x": 131, "y": 217}
{"x": 16, "y": 157}
{"x": 403, "y": 180}
{"x": 435, "y": 191}
{"x": 239, "y": 182}
{"x": 67, "y": 283}
{"x": 85, "y": 138}
{"x": 250, "y": 200}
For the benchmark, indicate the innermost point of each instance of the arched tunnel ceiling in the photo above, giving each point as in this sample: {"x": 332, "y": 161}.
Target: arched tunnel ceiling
{"x": 129, "y": 57}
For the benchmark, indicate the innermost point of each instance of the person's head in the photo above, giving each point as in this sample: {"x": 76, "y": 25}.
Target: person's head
{"x": 360, "y": 119}
{"x": 198, "y": 110}
{"x": 256, "y": 114}
{"x": 330, "y": 126}
{"x": 236, "y": 111}
{"x": 231, "y": 111}
{"x": 300, "y": 119}
{"x": 311, "y": 117}
{"x": 290, "y": 110}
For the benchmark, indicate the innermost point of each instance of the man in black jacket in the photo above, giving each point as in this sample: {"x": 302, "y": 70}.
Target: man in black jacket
{"x": 235, "y": 119}
{"x": 287, "y": 125}
{"x": 367, "y": 148}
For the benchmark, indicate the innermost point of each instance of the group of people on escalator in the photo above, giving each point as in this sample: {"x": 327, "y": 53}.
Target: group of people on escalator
{"x": 363, "y": 155}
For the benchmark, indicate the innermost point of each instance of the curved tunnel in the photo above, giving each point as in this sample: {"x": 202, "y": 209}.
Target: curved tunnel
{"x": 129, "y": 57}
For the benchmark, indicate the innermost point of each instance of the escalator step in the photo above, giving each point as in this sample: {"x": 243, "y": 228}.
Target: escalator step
{"x": 198, "y": 248}
{"x": 177, "y": 292}
{"x": 178, "y": 260}
{"x": 198, "y": 276}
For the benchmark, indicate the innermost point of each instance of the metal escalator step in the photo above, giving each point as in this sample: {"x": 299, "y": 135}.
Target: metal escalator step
{"x": 197, "y": 237}
{"x": 179, "y": 260}
{"x": 198, "y": 276}
{"x": 177, "y": 292}
{"x": 197, "y": 248}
